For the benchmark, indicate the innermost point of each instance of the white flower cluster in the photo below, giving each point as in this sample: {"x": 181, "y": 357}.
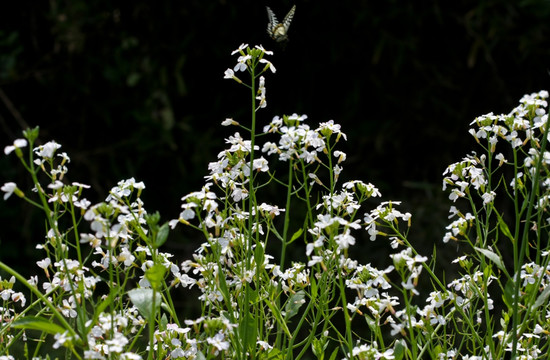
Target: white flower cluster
{"x": 522, "y": 136}
{"x": 250, "y": 295}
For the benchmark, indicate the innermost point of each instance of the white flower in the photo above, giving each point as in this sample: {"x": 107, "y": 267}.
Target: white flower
{"x": 19, "y": 143}
{"x": 344, "y": 240}
{"x": 264, "y": 345}
{"x": 267, "y": 52}
{"x": 314, "y": 260}
{"x": 261, "y": 94}
{"x": 217, "y": 342}
{"x": 68, "y": 308}
{"x": 488, "y": 197}
{"x": 44, "y": 263}
{"x": 240, "y": 49}
{"x": 242, "y": 63}
{"x": 229, "y": 121}
{"x": 47, "y": 150}
{"x": 8, "y": 188}
{"x": 61, "y": 339}
{"x": 340, "y": 155}
{"x": 269, "y": 65}
{"x": 261, "y": 164}
{"x": 229, "y": 74}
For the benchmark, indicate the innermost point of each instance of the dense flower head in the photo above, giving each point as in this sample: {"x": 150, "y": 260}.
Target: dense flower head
{"x": 297, "y": 140}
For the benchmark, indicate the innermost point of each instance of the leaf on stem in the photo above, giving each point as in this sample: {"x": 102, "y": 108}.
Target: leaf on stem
{"x": 493, "y": 257}
{"x": 543, "y": 297}
{"x": 162, "y": 235}
{"x": 143, "y": 300}
{"x": 294, "y": 304}
{"x": 296, "y": 235}
{"x": 504, "y": 228}
{"x": 38, "y": 323}
{"x": 249, "y": 330}
{"x": 155, "y": 276}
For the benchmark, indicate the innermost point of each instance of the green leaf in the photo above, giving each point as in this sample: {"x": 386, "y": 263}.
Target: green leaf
{"x": 373, "y": 325}
{"x": 155, "y": 276}
{"x": 294, "y": 303}
{"x": 504, "y": 228}
{"x": 437, "y": 350}
{"x": 493, "y": 257}
{"x": 313, "y": 288}
{"x": 277, "y": 313}
{"x": 259, "y": 254}
{"x": 82, "y": 319}
{"x": 295, "y": 236}
{"x": 223, "y": 288}
{"x": 334, "y": 354}
{"x": 38, "y": 323}
{"x": 398, "y": 350}
{"x": 274, "y": 354}
{"x": 162, "y": 235}
{"x": 543, "y": 297}
{"x": 508, "y": 294}
{"x": 163, "y": 322}
{"x": 248, "y": 330}
{"x": 318, "y": 347}
{"x": 143, "y": 300}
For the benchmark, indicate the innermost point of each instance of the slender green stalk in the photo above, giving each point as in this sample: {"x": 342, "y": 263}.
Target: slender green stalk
{"x": 525, "y": 240}
{"x": 251, "y": 214}
{"x": 284, "y": 240}
{"x": 36, "y": 292}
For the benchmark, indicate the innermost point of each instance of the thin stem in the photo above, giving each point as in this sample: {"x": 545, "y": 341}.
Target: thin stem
{"x": 35, "y": 290}
{"x": 251, "y": 208}
{"x": 524, "y": 241}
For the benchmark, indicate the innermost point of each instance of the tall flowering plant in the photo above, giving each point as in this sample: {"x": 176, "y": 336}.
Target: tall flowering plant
{"x": 283, "y": 308}
{"x": 276, "y": 275}
{"x": 504, "y": 294}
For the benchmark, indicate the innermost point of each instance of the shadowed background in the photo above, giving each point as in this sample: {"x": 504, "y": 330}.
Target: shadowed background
{"x": 138, "y": 91}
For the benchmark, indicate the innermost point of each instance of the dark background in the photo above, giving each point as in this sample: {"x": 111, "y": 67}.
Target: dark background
{"x": 137, "y": 89}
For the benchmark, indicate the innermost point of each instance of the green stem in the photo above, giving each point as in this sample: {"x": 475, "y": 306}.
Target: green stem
{"x": 35, "y": 291}
{"x": 287, "y": 213}
{"x": 524, "y": 240}
{"x": 151, "y": 325}
{"x": 251, "y": 219}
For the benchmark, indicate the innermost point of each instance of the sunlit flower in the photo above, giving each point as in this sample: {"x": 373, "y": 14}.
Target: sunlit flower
{"x": 242, "y": 63}
{"x": 344, "y": 240}
{"x": 17, "y": 144}
{"x": 266, "y": 52}
{"x": 240, "y": 49}
{"x": 261, "y": 94}
{"x": 229, "y": 121}
{"x": 229, "y": 74}
{"x": 9, "y": 188}
{"x": 269, "y": 65}
{"x": 47, "y": 150}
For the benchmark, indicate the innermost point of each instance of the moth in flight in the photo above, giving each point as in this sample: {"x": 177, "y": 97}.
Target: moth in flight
{"x": 279, "y": 31}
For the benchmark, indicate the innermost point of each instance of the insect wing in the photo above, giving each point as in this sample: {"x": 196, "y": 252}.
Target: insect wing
{"x": 288, "y": 18}
{"x": 272, "y": 21}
